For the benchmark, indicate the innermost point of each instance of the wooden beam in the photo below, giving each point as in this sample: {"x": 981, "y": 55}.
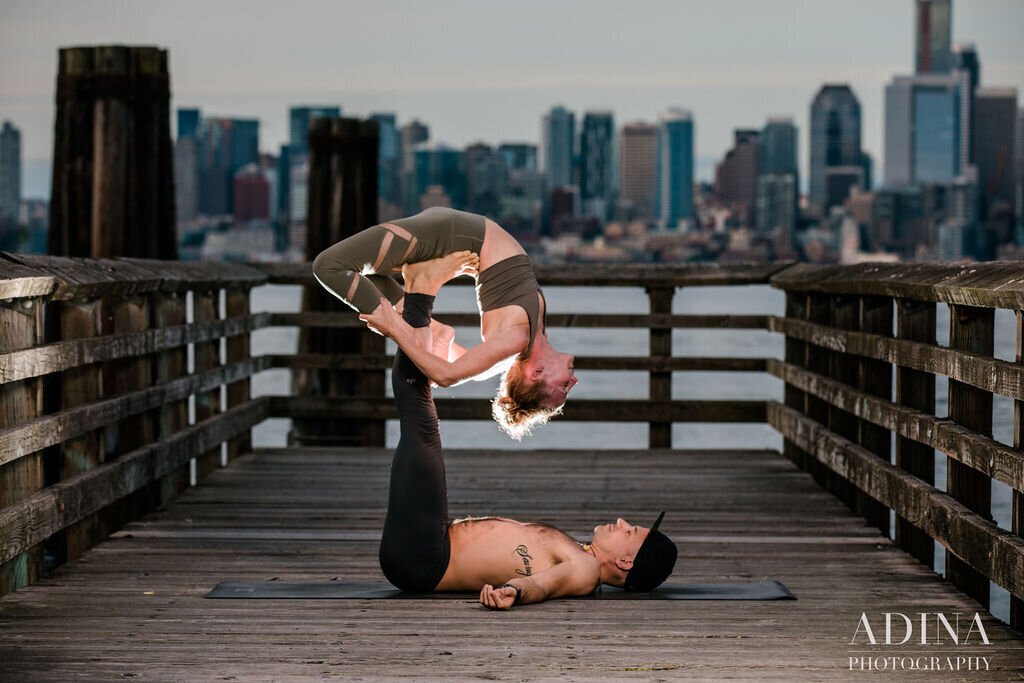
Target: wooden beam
{"x": 37, "y": 517}
{"x": 996, "y": 553}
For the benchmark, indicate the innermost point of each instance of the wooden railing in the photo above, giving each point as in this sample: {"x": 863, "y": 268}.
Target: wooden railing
{"x": 95, "y": 387}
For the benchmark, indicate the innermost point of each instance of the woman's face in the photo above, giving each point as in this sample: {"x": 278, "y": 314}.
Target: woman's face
{"x": 559, "y": 378}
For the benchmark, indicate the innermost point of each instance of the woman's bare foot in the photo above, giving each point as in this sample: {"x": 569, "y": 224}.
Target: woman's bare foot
{"x": 426, "y": 277}
{"x": 442, "y": 337}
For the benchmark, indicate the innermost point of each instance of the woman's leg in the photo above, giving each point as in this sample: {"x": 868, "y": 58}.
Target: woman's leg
{"x": 414, "y": 547}
{"x": 357, "y": 269}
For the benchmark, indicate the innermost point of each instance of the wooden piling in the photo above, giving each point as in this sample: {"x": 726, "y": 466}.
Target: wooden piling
{"x": 660, "y": 433}
{"x": 1017, "y": 523}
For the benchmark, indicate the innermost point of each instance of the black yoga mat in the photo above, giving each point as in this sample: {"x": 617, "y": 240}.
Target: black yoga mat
{"x": 369, "y": 590}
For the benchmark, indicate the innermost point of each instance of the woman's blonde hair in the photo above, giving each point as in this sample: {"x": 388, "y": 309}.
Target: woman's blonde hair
{"x": 519, "y": 405}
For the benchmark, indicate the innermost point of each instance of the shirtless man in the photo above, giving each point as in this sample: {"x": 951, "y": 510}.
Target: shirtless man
{"x": 509, "y": 562}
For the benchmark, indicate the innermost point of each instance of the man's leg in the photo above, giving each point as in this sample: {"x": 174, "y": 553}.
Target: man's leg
{"x": 414, "y": 547}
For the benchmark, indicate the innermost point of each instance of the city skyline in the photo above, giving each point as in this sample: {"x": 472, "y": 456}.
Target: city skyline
{"x": 492, "y": 78}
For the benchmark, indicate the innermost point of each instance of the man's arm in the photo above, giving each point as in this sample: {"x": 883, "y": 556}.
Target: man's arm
{"x": 580, "y": 576}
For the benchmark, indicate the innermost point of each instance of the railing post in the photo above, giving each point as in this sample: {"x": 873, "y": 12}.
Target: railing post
{"x": 660, "y": 433}
{"x": 875, "y": 378}
{"x": 970, "y": 329}
{"x": 21, "y": 327}
{"x": 795, "y": 352}
{"x": 207, "y": 357}
{"x": 843, "y": 367}
{"x": 1016, "y": 604}
{"x": 236, "y": 305}
{"x": 915, "y": 321}
{"x": 821, "y": 310}
{"x": 169, "y": 311}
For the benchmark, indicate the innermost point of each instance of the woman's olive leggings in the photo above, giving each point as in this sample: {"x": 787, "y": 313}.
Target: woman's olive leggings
{"x": 358, "y": 269}
{"x": 414, "y": 548}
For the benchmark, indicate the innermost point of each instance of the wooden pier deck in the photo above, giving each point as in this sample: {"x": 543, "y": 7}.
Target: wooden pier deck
{"x": 133, "y": 606}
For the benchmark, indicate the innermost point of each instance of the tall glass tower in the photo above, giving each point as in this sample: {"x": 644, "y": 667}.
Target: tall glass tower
{"x": 558, "y": 131}
{"x": 10, "y": 171}
{"x": 931, "y": 48}
{"x": 298, "y": 125}
{"x": 835, "y": 135}
{"x": 597, "y": 167}
{"x": 674, "y": 167}
{"x": 925, "y": 127}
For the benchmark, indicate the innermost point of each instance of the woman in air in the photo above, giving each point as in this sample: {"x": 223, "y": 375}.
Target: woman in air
{"x": 537, "y": 377}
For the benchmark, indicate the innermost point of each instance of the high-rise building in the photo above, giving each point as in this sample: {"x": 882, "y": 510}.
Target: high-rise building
{"x": 519, "y": 155}
{"x": 637, "y": 164}
{"x": 388, "y": 186}
{"x": 673, "y": 171}
{"x": 298, "y": 124}
{"x": 186, "y": 179}
{"x": 558, "y": 133}
{"x": 597, "y": 166}
{"x": 486, "y": 179}
{"x": 188, "y": 123}
{"x": 778, "y": 143}
{"x": 934, "y": 27}
{"x": 1020, "y": 178}
{"x": 443, "y": 166}
{"x": 777, "y": 189}
{"x": 251, "y": 194}
{"x": 925, "y": 128}
{"x": 410, "y": 136}
{"x": 835, "y": 135}
{"x": 965, "y": 61}
{"x": 10, "y": 172}
{"x": 736, "y": 176}
{"x": 224, "y": 146}
{"x": 995, "y": 146}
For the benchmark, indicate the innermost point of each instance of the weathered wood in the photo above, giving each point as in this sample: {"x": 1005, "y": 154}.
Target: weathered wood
{"x": 170, "y": 310}
{"x": 875, "y": 377}
{"x": 236, "y": 305}
{"x": 846, "y": 369}
{"x": 32, "y": 435}
{"x": 590, "y": 274}
{"x": 984, "y": 372}
{"x": 344, "y": 361}
{"x": 588, "y": 410}
{"x": 659, "y": 434}
{"x": 981, "y": 453}
{"x": 915, "y": 321}
{"x": 349, "y": 319}
{"x": 64, "y": 355}
{"x": 21, "y": 325}
{"x": 819, "y": 360}
{"x": 990, "y": 285}
{"x": 1017, "y": 505}
{"x": 795, "y": 352}
{"x": 207, "y": 357}
{"x": 976, "y": 541}
{"x": 970, "y": 329}
{"x": 42, "y": 514}
{"x": 18, "y": 281}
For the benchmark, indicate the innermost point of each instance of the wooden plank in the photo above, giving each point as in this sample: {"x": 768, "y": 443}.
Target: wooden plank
{"x": 42, "y": 432}
{"x": 976, "y": 541}
{"x": 18, "y": 281}
{"x": 588, "y": 410}
{"x": 60, "y": 356}
{"x": 21, "y": 325}
{"x": 970, "y": 329}
{"x": 990, "y": 285}
{"x": 1017, "y": 505}
{"x": 821, "y": 361}
{"x": 979, "y": 452}
{"x": 915, "y": 321}
{"x": 348, "y": 319}
{"x": 875, "y": 378}
{"x": 237, "y": 350}
{"x": 207, "y": 357}
{"x": 984, "y": 372}
{"x": 796, "y": 353}
{"x": 169, "y": 310}
{"x": 30, "y": 521}
{"x": 344, "y": 361}
{"x": 591, "y": 274}
{"x": 659, "y": 434}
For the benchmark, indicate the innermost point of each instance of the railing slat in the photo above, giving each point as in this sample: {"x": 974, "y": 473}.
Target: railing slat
{"x": 1017, "y": 509}
{"x": 659, "y": 434}
{"x": 207, "y": 357}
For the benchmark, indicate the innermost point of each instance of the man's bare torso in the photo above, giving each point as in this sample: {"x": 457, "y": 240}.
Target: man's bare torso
{"x": 493, "y": 550}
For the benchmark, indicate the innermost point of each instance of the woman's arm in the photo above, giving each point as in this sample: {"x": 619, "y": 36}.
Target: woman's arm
{"x": 473, "y": 363}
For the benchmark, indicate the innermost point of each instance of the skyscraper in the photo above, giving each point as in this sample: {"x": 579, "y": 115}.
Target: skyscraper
{"x": 558, "y": 132}
{"x": 388, "y": 186}
{"x": 835, "y": 135}
{"x": 188, "y": 122}
{"x": 778, "y": 177}
{"x": 778, "y": 143}
{"x": 486, "y": 179}
{"x": 298, "y": 124}
{"x": 519, "y": 155}
{"x": 10, "y": 172}
{"x": 637, "y": 164}
{"x": 597, "y": 169}
{"x": 995, "y": 146}
{"x": 925, "y": 127}
{"x": 736, "y": 175}
{"x": 931, "y": 49}
{"x": 674, "y": 167}
{"x": 223, "y": 146}
{"x": 410, "y": 136}
{"x": 444, "y": 167}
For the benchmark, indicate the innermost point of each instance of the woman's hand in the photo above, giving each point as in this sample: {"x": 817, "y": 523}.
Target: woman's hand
{"x": 384, "y": 319}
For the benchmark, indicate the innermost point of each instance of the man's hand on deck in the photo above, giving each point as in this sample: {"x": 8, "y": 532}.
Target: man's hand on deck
{"x": 501, "y": 597}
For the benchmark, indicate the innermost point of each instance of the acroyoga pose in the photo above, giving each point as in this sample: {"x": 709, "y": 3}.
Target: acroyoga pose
{"x": 537, "y": 377}
{"x": 509, "y": 562}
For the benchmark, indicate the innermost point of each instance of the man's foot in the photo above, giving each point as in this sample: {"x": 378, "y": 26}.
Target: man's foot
{"x": 426, "y": 277}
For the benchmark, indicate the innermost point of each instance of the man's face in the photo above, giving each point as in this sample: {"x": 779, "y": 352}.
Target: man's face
{"x": 620, "y": 538}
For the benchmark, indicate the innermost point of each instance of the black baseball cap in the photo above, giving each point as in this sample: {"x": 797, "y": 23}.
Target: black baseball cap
{"x": 653, "y": 562}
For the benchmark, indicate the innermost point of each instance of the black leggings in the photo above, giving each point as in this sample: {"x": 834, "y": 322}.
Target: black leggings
{"x": 414, "y": 548}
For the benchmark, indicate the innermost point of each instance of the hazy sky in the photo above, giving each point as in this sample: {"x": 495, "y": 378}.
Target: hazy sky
{"x": 482, "y": 70}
